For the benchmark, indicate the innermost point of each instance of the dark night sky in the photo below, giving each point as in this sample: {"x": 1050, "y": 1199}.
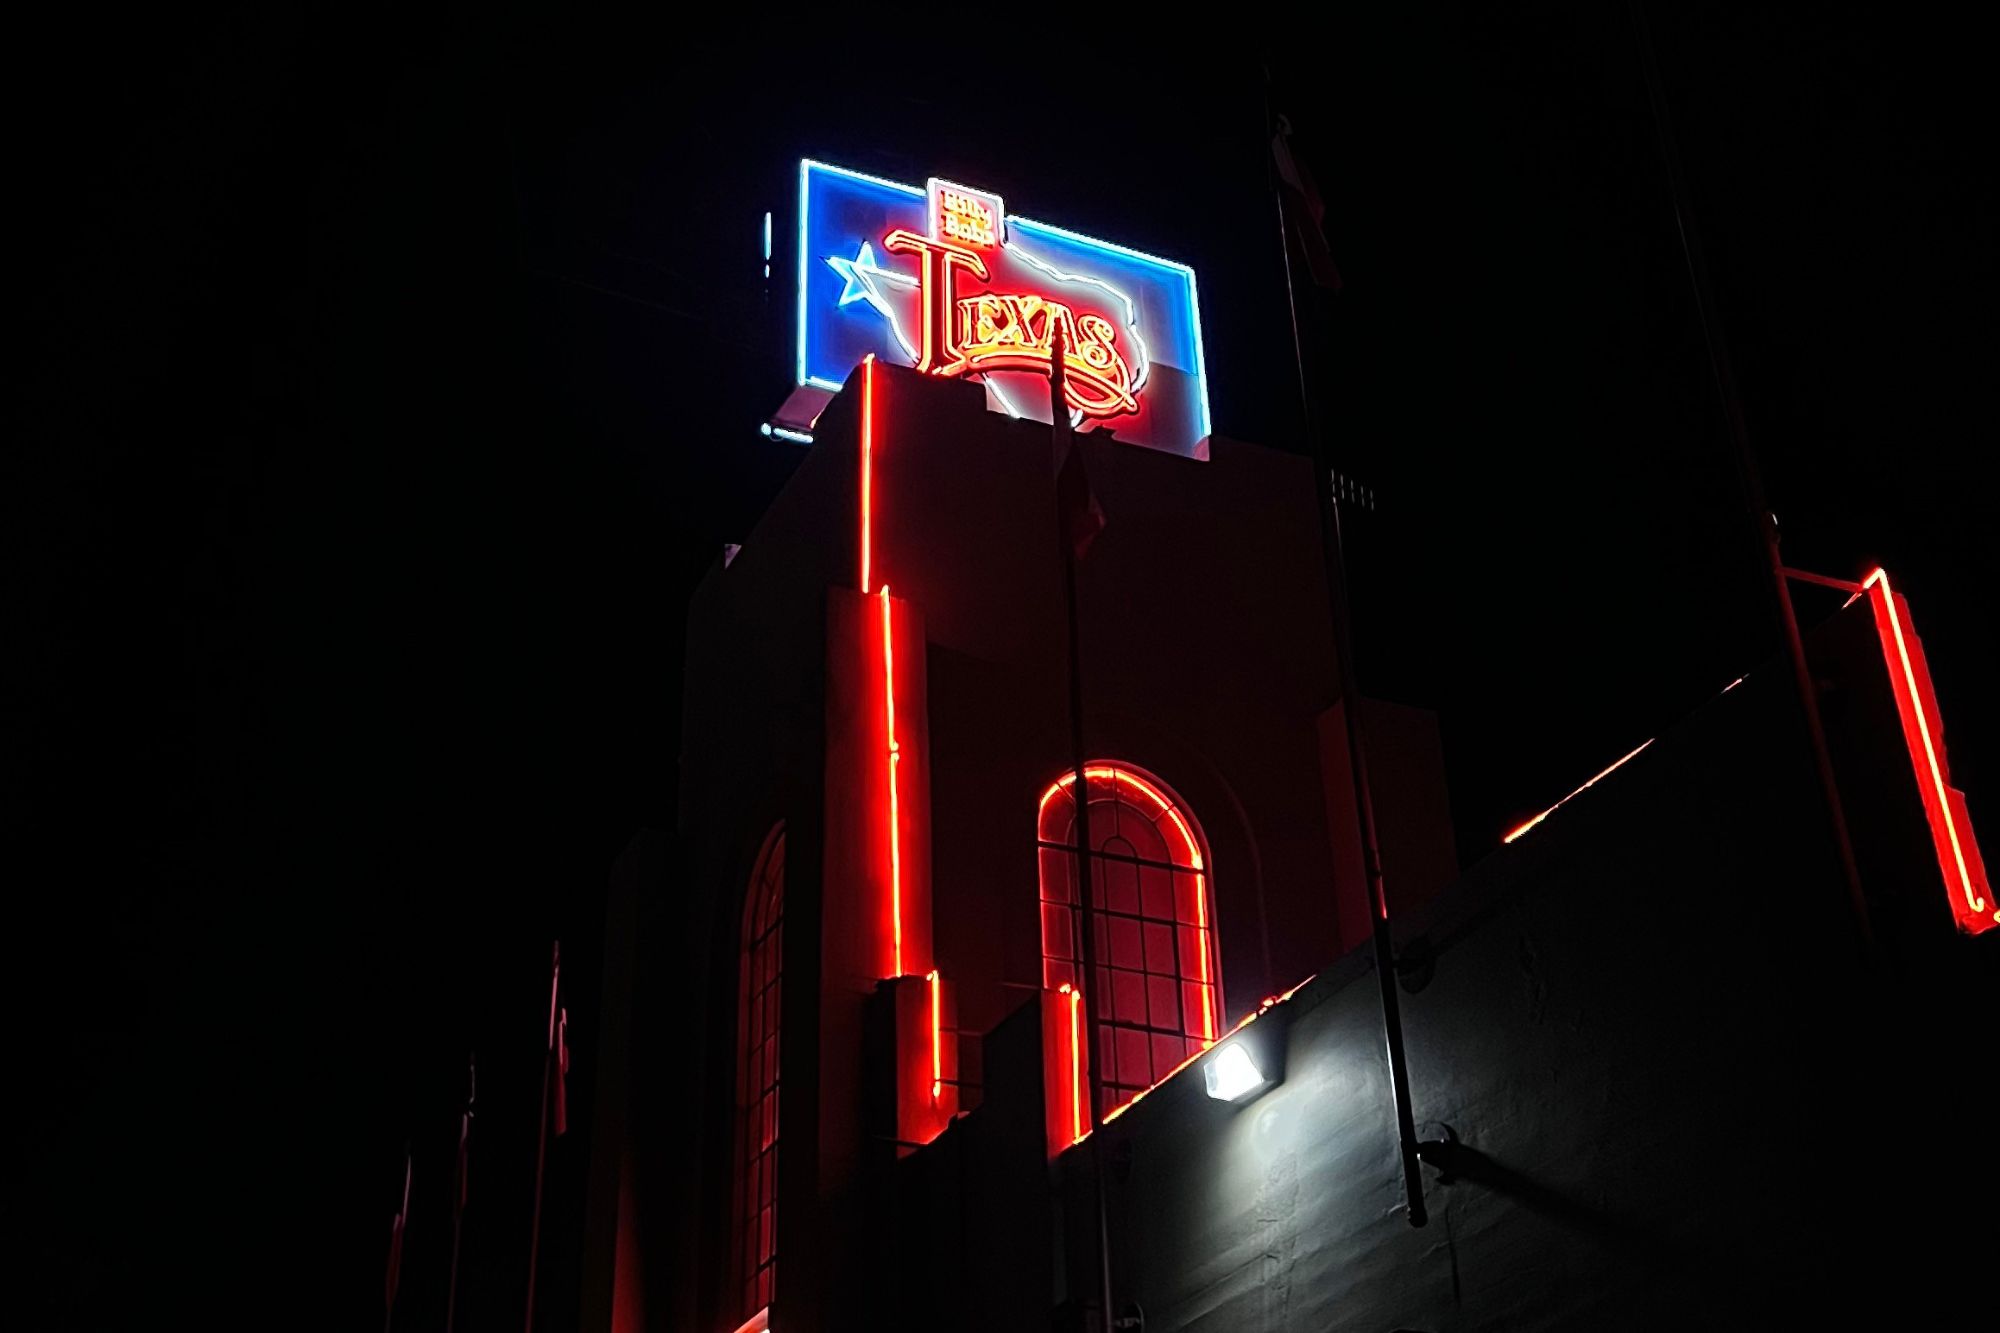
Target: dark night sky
{"x": 391, "y": 381}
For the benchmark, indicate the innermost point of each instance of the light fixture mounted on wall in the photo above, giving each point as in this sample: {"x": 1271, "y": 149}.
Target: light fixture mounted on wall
{"x": 1232, "y": 1073}
{"x": 1247, "y": 1064}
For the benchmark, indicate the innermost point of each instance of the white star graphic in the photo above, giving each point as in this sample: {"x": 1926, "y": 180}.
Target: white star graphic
{"x": 861, "y": 274}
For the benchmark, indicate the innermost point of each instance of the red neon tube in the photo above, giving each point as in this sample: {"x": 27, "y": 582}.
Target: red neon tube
{"x": 1607, "y": 772}
{"x": 1200, "y": 913}
{"x": 937, "y": 1041}
{"x": 867, "y": 469}
{"x": 895, "y": 814}
{"x": 1076, "y": 1120}
{"x": 1978, "y": 913}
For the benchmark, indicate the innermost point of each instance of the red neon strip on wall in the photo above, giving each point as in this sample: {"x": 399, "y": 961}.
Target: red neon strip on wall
{"x": 1615, "y": 766}
{"x": 1200, "y": 912}
{"x": 895, "y": 813}
{"x": 937, "y": 1040}
{"x": 867, "y": 469}
{"x": 1914, "y": 700}
{"x": 1076, "y": 1121}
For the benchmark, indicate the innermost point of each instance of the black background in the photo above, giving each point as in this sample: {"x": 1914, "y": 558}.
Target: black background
{"x": 391, "y": 378}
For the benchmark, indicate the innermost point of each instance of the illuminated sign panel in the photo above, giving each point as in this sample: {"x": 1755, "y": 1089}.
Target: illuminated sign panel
{"x": 942, "y": 279}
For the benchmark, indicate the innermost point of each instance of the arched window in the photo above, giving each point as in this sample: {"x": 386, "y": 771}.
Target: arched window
{"x": 760, "y": 996}
{"x": 1156, "y": 999}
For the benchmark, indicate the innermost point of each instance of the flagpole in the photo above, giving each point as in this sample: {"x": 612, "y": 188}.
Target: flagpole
{"x": 542, "y": 1133}
{"x": 396, "y": 1234}
{"x": 459, "y": 1192}
{"x": 1750, "y": 478}
{"x": 1349, "y": 696}
{"x": 1060, "y": 435}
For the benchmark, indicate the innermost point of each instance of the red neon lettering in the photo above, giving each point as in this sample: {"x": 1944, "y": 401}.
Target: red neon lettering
{"x": 937, "y": 280}
{"x": 993, "y": 331}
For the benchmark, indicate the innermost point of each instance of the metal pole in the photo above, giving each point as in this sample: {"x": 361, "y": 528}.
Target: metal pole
{"x": 458, "y": 1201}
{"x": 1080, "y": 793}
{"x": 1357, "y": 754}
{"x": 542, "y": 1134}
{"x": 1086, "y": 901}
{"x": 1750, "y": 477}
{"x": 402, "y": 1233}
{"x": 1087, "y": 905}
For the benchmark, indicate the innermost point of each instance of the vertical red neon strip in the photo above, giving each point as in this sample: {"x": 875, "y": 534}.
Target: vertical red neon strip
{"x": 1075, "y": 1062}
{"x": 895, "y": 813}
{"x": 937, "y": 1040}
{"x": 1937, "y": 801}
{"x": 1201, "y": 934}
{"x": 867, "y": 470}
{"x": 1200, "y": 908}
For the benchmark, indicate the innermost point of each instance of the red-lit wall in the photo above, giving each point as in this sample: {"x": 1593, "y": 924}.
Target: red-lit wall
{"x": 1206, "y": 659}
{"x": 1206, "y": 654}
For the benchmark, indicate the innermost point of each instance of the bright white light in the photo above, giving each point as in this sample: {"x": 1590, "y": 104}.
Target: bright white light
{"x": 1232, "y": 1074}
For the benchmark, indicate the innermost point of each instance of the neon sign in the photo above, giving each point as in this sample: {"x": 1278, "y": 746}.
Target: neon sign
{"x": 942, "y": 279}
{"x": 1964, "y": 870}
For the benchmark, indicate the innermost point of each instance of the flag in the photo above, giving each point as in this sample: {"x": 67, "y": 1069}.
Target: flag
{"x": 562, "y": 1073}
{"x": 1305, "y": 211}
{"x": 1082, "y": 516}
{"x": 1076, "y": 505}
{"x": 395, "y": 1274}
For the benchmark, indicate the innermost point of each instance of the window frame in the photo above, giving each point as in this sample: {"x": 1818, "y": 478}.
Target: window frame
{"x": 1132, "y": 934}
{"x": 753, "y": 1196}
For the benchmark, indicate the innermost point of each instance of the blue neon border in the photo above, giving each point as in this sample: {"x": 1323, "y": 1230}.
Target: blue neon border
{"x": 809, "y": 165}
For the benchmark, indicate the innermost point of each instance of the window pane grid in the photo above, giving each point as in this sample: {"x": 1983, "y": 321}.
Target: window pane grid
{"x": 1154, "y": 997}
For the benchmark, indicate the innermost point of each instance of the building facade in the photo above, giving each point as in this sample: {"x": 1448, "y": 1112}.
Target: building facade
{"x": 878, "y": 702}
{"x": 1005, "y": 970}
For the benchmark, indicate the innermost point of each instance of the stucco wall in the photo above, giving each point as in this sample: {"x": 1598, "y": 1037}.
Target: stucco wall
{"x": 1681, "y": 1100}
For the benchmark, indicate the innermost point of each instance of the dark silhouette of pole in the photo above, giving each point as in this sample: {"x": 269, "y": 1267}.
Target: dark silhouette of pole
{"x": 397, "y": 1233}
{"x": 1065, "y": 442}
{"x": 1349, "y": 695}
{"x": 542, "y": 1132}
{"x": 1749, "y": 475}
{"x": 461, "y": 1187}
